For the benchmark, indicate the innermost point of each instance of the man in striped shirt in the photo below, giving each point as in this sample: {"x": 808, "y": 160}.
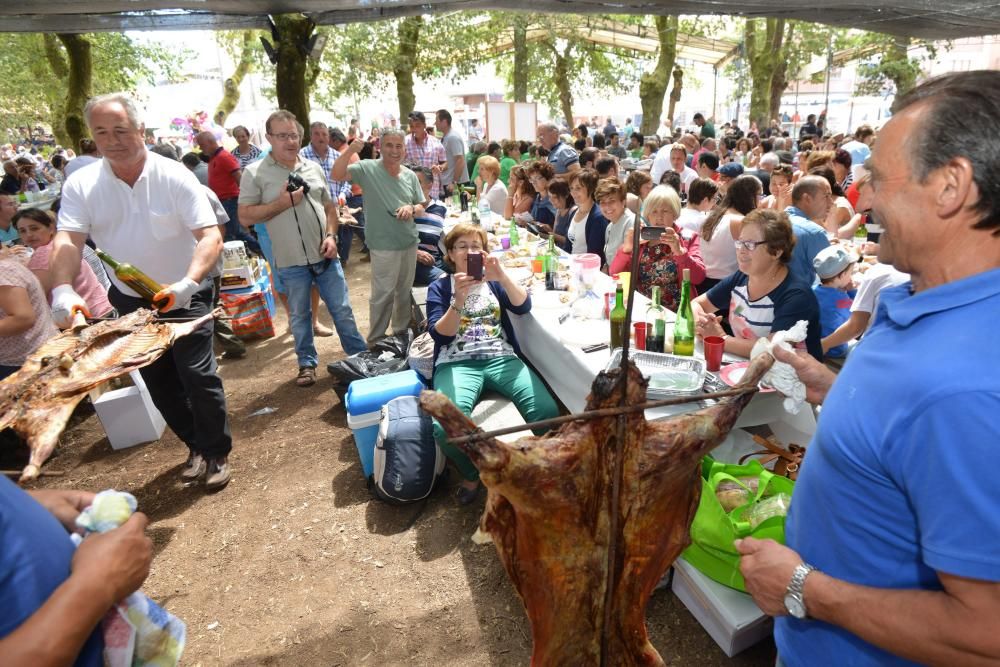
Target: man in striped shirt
{"x": 426, "y": 150}
{"x": 319, "y": 151}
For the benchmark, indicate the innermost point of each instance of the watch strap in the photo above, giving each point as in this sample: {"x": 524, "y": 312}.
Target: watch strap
{"x": 796, "y": 587}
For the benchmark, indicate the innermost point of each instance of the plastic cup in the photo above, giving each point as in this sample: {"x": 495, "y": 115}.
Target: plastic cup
{"x": 640, "y": 335}
{"x": 625, "y": 277}
{"x": 714, "y": 347}
{"x": 537, "y": 265}
{"x": 505, "y": 242}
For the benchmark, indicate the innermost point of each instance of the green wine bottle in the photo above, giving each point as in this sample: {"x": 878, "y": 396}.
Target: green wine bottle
{"x": 619, "y": 327}
{"x": 138, "y": 281}
{"x": 684, "y": 324}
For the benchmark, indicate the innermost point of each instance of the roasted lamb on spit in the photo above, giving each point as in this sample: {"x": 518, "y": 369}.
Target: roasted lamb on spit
{"x": 549, "y": 513}
{"x": 38, "y": 400}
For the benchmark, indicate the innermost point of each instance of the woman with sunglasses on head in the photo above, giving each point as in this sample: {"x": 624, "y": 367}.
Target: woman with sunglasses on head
{"x": 762, "y": 296}
{"x": 468, "y": 316}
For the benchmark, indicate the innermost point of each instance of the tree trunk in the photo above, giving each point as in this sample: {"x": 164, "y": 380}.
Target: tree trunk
{"x": 290, "y": 73}
{"x": 60, "y": 69}
{"x": 653, "y": 85}
{"x": 763, "y": 53}
{"x": 231, "y": 87}
{"x": 902, "y": 72}
{"x": 78, "y": 86}
{"x": 779, "y": 81}
{"x": 406, "y": 62}
{"x": 520, "y": 59}
{"x": 675, "y": 94}
{"x": 561, "y": 79}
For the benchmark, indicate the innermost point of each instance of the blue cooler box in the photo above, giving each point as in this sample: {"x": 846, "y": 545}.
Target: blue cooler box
{"x": 364, "y": 401}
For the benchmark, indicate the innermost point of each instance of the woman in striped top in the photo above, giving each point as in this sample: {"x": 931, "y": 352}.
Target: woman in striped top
{"x": 762, "y": 296}
{"x": 245, "y": 152}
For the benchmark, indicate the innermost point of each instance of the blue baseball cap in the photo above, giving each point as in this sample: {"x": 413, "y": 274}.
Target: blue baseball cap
{"x": 830, "y": 261}
{"x": 731, "y": 169}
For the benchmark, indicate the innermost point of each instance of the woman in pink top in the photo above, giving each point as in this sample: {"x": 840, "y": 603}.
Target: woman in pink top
{"x": 37, "y": 231}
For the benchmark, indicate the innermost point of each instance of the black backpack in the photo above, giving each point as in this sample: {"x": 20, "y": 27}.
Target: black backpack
{"x": 408, "y": 463}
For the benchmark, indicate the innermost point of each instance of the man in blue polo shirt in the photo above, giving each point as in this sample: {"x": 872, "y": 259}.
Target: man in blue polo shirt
{"x": 563, "y": 158}
{"x": 892, "y": 555}
{"x": 811, "y": 200}
{"x": 53, "y": 596}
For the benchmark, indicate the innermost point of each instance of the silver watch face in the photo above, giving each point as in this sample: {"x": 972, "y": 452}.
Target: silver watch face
{"x": 795, "y": 606}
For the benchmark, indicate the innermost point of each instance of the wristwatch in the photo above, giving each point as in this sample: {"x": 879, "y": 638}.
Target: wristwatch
{"x": 795, "y": 603}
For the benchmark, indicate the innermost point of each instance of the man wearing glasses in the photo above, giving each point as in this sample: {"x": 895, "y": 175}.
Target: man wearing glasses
{"x": 393, "y": 200}
{"x": 289, "y": 194}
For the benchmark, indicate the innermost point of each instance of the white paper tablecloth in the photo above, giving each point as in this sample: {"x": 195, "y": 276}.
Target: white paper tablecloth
{"x": 570, "y": 372}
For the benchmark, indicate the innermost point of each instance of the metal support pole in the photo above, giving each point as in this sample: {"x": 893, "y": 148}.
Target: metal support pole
{"x": 829, "y": 72}
{"x": 715, "y": 92}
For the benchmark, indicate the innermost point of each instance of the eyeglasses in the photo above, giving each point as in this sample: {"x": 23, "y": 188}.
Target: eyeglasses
{"x": 286, "y": 136}
{"x": 749, "y": 246}
{"x": 461, "y": 247}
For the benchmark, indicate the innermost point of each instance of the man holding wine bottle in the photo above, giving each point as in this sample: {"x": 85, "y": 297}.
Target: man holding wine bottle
{"x": 151, "y": 213}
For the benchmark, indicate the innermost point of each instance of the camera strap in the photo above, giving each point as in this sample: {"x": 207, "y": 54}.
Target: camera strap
{"x": 322, "y": 232}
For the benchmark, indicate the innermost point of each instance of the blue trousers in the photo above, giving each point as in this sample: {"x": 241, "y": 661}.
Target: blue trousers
{"x": 234, "y": 230}
{"x": 297, "y": 282}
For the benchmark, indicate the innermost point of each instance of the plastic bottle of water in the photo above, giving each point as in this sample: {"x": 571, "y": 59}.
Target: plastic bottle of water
{"x": 485, "y": 214}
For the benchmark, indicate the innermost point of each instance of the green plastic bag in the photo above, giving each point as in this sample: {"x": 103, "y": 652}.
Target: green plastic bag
{"x": 714, "y": 530}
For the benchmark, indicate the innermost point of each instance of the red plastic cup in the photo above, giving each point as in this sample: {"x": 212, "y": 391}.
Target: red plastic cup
{"x": 714, "y": 347}
{"x": 537, "y": 266}
{"x": 640, "y": 335}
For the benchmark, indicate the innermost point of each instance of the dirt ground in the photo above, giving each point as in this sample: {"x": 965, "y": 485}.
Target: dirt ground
{"x": 293, "y": 564}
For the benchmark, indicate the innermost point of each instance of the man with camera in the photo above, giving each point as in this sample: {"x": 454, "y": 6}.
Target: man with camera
{"x": 290, "y": 196}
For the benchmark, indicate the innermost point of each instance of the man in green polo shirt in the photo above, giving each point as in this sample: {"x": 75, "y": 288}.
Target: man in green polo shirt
{"x": 393, "y": 199}
{"x": 706, "y": 126}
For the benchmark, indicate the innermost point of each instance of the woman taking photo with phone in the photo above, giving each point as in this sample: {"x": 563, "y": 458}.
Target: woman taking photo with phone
{"x": 663, "y": 252}
{"x": 474, "y": 343}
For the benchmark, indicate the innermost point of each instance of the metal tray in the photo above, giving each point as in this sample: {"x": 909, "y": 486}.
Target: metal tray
{"x": 649, "y": 363}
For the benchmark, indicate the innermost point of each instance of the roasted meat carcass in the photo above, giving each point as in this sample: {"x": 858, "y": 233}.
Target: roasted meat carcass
{"x": 39, "y": 399}
{"x": 549, "y": 513}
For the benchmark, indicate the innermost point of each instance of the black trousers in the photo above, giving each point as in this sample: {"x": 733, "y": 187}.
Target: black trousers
{"x": 183, "y": 383}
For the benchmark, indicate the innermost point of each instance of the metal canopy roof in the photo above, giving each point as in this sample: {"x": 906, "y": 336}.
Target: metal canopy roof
{"x": 929, "y": 19}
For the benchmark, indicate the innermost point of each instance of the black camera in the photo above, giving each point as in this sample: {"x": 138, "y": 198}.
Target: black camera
{"x": 295, "y": 182}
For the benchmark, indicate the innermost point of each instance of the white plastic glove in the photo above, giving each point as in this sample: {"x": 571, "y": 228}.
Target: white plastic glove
{"x": 782, "y": 376}
{"x": 176, "y": 296}
{"x": 65, "y": 303}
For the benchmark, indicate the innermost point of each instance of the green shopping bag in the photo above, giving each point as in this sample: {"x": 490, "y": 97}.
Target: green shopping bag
{"x": 714, "y": 530}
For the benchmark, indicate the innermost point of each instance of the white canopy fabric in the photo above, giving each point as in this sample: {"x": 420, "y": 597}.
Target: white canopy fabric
{"x": 929, "y": 19}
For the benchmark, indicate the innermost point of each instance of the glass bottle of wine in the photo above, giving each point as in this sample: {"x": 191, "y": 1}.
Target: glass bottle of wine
{"x": 138, "y": 281}
{"x": 684, "y": 324}
{"x": 656, "y": 323}
{"x": 619, "y": 327}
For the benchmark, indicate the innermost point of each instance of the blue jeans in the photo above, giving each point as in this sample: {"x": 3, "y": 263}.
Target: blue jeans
{"x": 234, "y": 230}
{"x": 298, "y": 282}
{"x": 425, "y": 275}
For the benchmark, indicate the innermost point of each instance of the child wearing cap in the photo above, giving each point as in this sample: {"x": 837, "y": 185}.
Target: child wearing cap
{"x": 835, "y": 267}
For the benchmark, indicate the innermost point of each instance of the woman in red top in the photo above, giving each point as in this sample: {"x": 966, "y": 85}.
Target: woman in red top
{"x": 662, "y": 260}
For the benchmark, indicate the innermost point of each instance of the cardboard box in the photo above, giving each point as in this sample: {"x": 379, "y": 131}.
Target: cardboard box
{"x": 730, "y": 616}
{"x": 129, "y": 416}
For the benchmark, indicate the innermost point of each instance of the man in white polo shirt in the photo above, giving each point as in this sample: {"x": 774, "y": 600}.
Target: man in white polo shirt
{"x": 151, "y": 212}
